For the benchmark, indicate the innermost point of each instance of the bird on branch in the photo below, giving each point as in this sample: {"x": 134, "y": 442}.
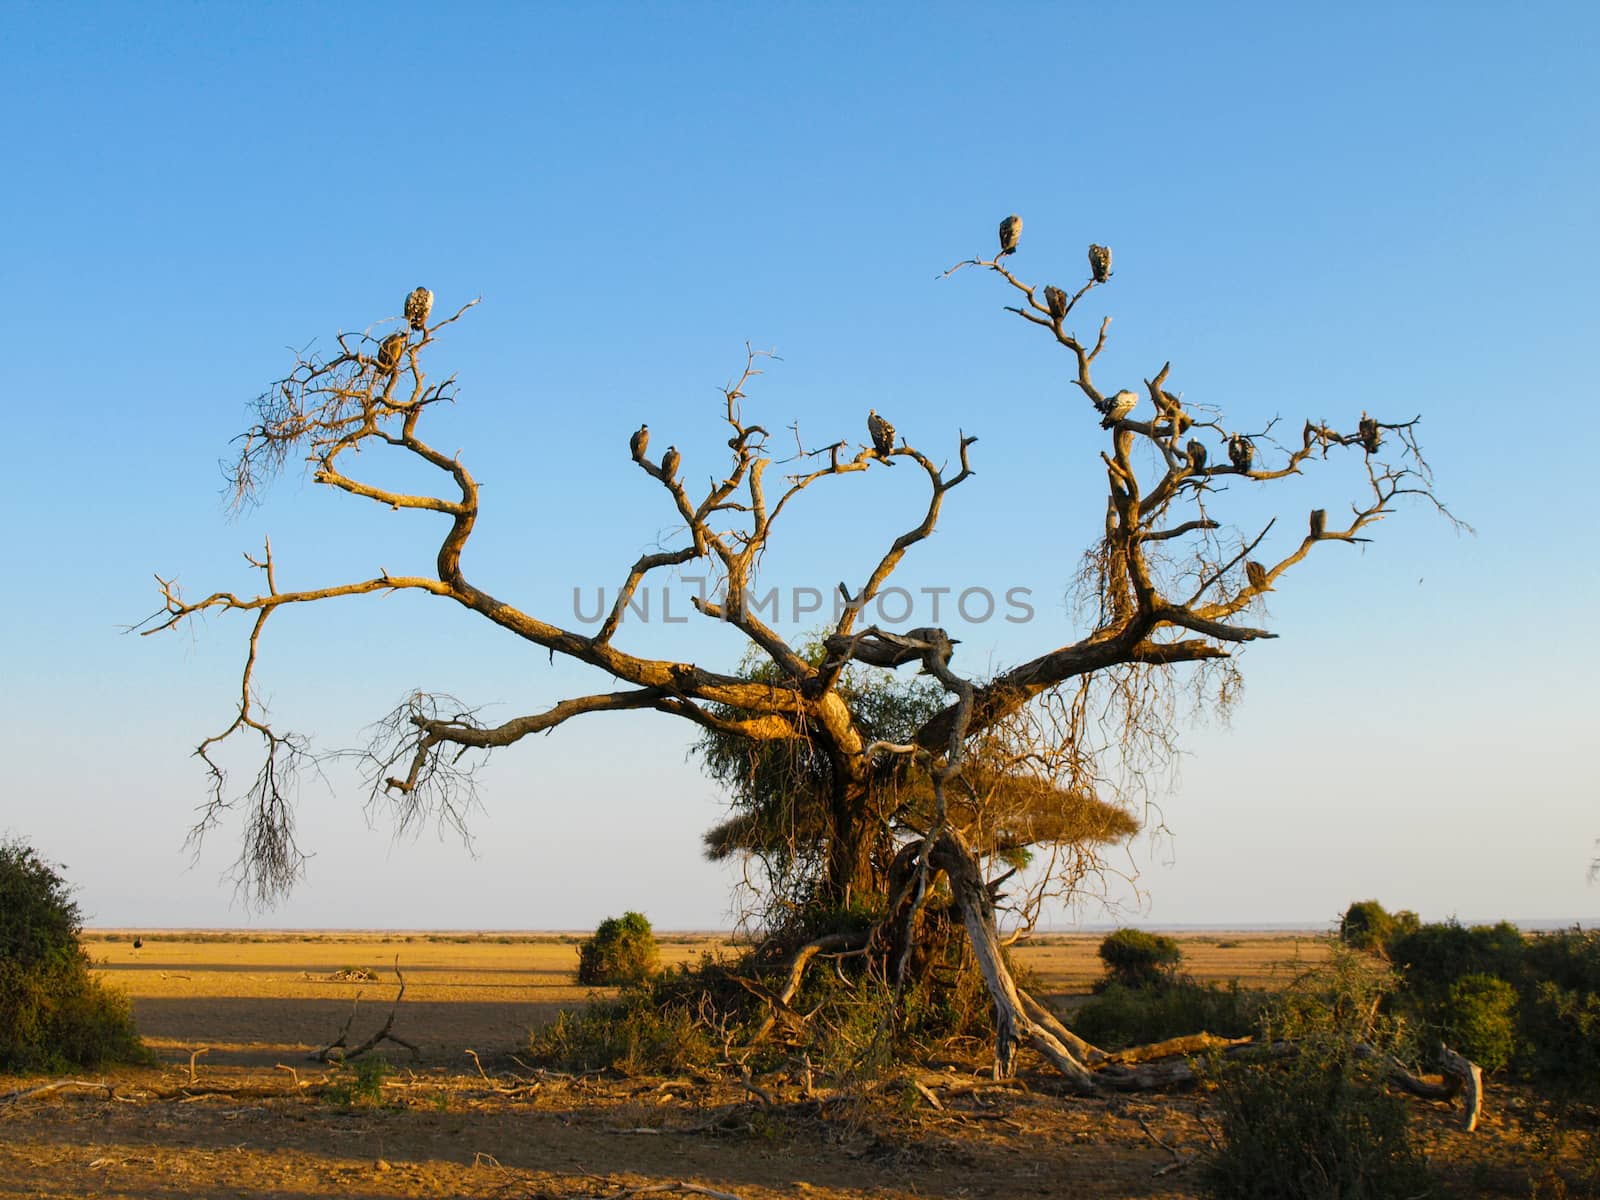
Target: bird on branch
{"x": 1197, "y": 456}
{"x": 389, "y": 351}
{"x": 1371, "y": 437}
{"x": 1257, "y": 574}
{"x": 418, "y": 305}
{"x": 1010, "y": 231}
{"x": 1056, "y": 300}
{"x": 1319, "y": 522}
{"x": 1118, "y": 407}
{"x": 638, "y": 443}
{"x": 882, "y": 435}
{"x": 670, "y": 461}
{"x": 1100, "y": 262}
{"x": 1241, "y": 452}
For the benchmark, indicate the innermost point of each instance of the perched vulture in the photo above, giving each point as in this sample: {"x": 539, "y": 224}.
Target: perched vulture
{"x": 882, "y": 433}
{"x": 1197, "y": 456}
{"x": 1010, "y": 231}
{"x": 1056, "y": 300}
{"x": 670, "y": 461}
{"x": 1241, "y": 453}
{"x": 1319, "y": 522}
{"x": 389, "y": 351}
{"x": 1371, "y": 438}
{"x": 1100, "y": 262}
{"x": 1257, "y": 574}
{"x": 1118, "y": 407}
{"x": 638, "y": 442}
{"x": 418, "y": 305}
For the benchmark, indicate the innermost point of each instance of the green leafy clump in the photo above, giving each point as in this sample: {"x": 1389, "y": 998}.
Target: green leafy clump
{"x": 660, "y": 1025}
{"x": 622, "y": 951}
{"x": 53, "y": 1013}
{"x": 1479, "y": 1019}
{"x": 1367, "y": 925}
{"x": 1121, "y": 1016}
{"x": 361, "y": 1082}
{"x": 1136, "y": 959}
{"x": 1316, "y": 1123}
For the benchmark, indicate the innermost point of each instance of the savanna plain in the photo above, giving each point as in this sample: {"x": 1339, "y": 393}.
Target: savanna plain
{"x": 233, "y": 1104}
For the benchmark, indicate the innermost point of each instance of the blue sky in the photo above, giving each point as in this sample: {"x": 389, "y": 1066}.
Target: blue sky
{"x": 1384, "y": 207}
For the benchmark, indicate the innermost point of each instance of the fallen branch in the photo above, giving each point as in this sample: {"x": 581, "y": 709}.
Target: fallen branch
{"x": 385, "y": 1033}
{"x": 61, "y": 1085}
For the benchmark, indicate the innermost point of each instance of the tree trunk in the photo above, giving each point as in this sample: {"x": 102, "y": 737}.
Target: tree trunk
{"x": 1012, "y": 1023}
{"x": 851, "y": 876}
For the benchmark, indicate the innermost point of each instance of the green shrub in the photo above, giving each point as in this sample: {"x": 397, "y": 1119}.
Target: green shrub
{"x": 1366, "y": 925}
{"x": 622, "y": 951}
{"x": 1136, "y": 959}
{"x": 53, "y": 1013}
{"x": 1479, "y": 1019}
{"x": 1318, "y": 1123}
{"x": 657, "y": 1026}
{"x": 1122, "y": 1016}
{"x": 1432, "y": 957}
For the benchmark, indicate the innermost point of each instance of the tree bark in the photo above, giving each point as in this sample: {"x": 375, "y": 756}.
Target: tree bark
{"x": 1013, "y": 1025}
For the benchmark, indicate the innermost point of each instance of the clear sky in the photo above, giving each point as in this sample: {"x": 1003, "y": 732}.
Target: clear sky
{"x": 1367, "y": 206}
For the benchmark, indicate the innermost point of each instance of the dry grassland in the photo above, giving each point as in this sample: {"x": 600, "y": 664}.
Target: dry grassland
{"x": 239, "y": 1127}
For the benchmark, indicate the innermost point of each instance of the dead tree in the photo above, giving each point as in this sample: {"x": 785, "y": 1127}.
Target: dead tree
{"x": 1166, "y": 586}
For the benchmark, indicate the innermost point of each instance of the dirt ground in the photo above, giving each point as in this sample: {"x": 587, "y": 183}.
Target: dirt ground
{"x": 238, "y": 1124}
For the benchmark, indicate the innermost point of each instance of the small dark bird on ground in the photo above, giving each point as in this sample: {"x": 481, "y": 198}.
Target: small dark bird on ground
{"x": 670, "y": 461}
{"x": 1257, "y": 574}
{"x": 1118, "y": 407}
{"x": 1010, "y": 231}
{"x": 639, "y": 442}
{"x": 1371, "y": 435}
{"x": 1100, "y": 262}
{"x": 882, "y": 433}
{"x": 1056, "y": 300}
{"x": 1241, "y": 452}
{"x": 138, "y": 943}
{"x": 389, "y": 351}
{"x": 1319, "y": 522}
{"x": 418, "y": 305}
{"x": 1197, "y": 456}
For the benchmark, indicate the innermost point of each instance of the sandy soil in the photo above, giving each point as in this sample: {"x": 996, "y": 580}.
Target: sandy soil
{"x": 239, "y": 1127}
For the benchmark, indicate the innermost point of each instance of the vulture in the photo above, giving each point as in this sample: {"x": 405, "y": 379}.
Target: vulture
{"x": 418, "y": 305}
{"x": 1118, "y": 407}
{"x": 670, "y": 461}
{"x": 638, "y": 442}
{"x": 882, "y": 433}
{"x": 389, "y": 351}
{"x": 1257, "y": 574}
{"x": 1056, "y": 300}
{"x": 1319, "y": 522}
{"x": 1240, "y": 452}
{"x": 1371, "y": 438}
{"x": 1100, "y": 262}
{"x": 1010, "y": 231}
{"x": 1197, "y": 456}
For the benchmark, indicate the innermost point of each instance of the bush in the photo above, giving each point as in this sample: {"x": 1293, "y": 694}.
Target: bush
{"x": 53, "y": 1013}
{"x": 622, "y": 951}
{"x": 656, "y": 1026}
{"x": 1434, "y": 956}
{"x": 1479, "y": 1019}
{"x": 1138, "y": 959}
{"x": 1122, "y": 1016}
{"x": 1318, "y": 1124}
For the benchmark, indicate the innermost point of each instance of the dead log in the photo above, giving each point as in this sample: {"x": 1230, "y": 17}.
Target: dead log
{"x": 1471, "y": 1077}
{"x": 338, "y": 1051}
